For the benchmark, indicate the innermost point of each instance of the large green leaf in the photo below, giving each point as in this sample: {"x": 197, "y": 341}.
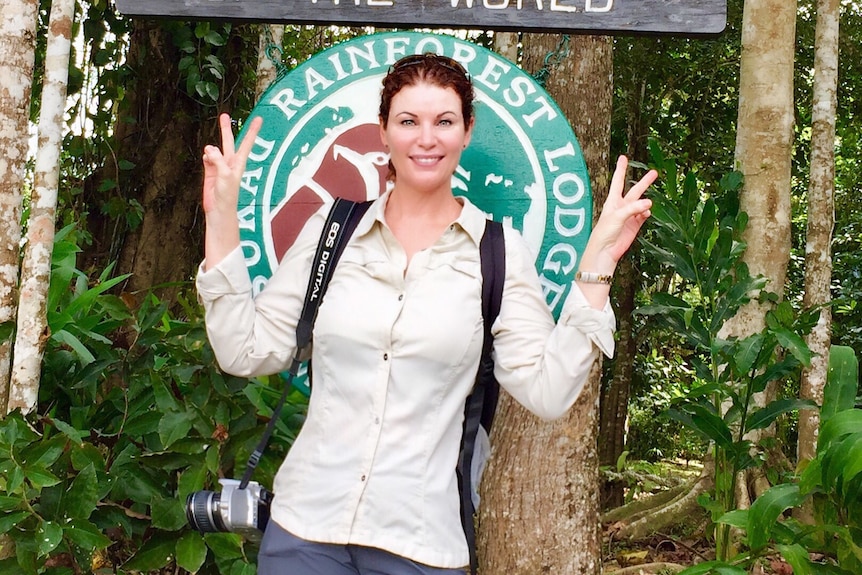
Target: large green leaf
{"x": 173, "y": 426}
{"x": 705, "y": 423}
{"x": 841, "y": 383}
{"x": 84, "y": 354}
{"x": 168, "y": 513}
{"x": 48, "y": 536}
{"x": 764, "y": 417}
{"x": 766, "y": 510}
{"x": 83, "y": 494}
{"x": 191, "y": 551}
{"x": 85, "y": 535}
{"x": 10, "y": 520}
{"x": 225, "y": 545}
{"x": 736, "y": 518}
{"x": 797, "y": 556}
{"x": 192, "y": 479}
{"x": 45, "y": 453}
{"x": 8, "y": 503}
{"x": 156, "y": 553}
{"x": 794, "y": 343}
{"x": 85, "y": 300}
{"x": 839, "y": 425}
{"x": 40, "y": 477}
{"x": 843, "y": 460}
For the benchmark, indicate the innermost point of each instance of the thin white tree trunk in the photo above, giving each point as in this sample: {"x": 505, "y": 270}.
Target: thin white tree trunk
{"x": 821, "y": 217}
{"x": 763, "y": 154}
{"x": 764, "y": 142}
{"x": 32, "y": 330}
{"x": 17, "y": 52}
{"x": 506, "y": 44}
{"x": 269, "y": 46}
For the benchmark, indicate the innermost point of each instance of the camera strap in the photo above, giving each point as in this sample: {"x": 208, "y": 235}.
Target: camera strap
{"x": 340, "y": 223}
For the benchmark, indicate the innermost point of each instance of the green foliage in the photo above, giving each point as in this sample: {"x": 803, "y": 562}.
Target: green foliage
{"x": 698, "y": 237}
{"x": 660, "y": 379}
{"x": 134, "y": 416}
{"x": 201, "y": 66}
{"x": 832, "y": 482}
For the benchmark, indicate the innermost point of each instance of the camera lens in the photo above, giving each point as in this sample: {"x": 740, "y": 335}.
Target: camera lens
{"x": 202, "y": 512}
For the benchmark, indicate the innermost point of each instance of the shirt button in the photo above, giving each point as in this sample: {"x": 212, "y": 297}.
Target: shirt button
{"x": 385, "y": 356}
{"x": 362, "y": 478}
{"x": 376, "y": 421}
{"x": 400, "y": 297}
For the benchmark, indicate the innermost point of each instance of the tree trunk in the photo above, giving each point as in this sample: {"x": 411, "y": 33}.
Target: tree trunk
{"x": 161, "y": 131}
{"x": 32, "y": 330}
{"x": 540, "y": 510}
{"x": 17, "y": 54}
{"x": 506, "y": 44}
{"x": 764, "y": 143}
{"x": 269, "y": 54}
{"x": 615, "y": 397}
{"x": 821, "y": 219}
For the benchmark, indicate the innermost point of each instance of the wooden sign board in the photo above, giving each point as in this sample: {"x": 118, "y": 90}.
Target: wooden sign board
{"x": 625, "y": 17}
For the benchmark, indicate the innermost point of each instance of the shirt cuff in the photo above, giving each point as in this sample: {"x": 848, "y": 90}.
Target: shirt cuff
{"x": 230, "y": 276}
{"x": 597, "y": 324}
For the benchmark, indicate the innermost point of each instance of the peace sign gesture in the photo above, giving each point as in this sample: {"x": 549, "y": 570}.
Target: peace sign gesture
{"x": 623, "y": 214}
{"x": 621, "y": 219}
{"x": 223, "y": 169}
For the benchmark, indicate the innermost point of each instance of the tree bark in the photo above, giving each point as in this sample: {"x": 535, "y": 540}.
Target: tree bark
{"x": 821, "y": 219}
{"x": 32, "y": 332}
{"x": 17, "y": 55}
{"x": 764, "y": 143}
{"x": 615, "y": 397}
{"x": 160, "y": 130}
{"x": 269, "y": 48}
{"x": 540, "y": 509}
{"x": 677, "y": 511}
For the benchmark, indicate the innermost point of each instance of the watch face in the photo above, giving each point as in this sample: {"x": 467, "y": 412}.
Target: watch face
{"x": 320, "y": 139}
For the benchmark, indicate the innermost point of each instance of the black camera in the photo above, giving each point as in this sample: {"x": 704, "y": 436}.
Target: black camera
{"x": 235, "y": 509}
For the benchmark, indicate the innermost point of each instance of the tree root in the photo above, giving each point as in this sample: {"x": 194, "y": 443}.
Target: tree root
{"x": 657, "y": 513}
{"x": 647, "y": 568}
{"x": 639, "y": 507}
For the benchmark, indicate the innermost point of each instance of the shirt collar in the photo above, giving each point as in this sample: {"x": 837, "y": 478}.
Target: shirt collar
{"x": 471, "y": 219}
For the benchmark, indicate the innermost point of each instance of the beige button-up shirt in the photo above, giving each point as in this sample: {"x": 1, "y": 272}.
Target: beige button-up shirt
{"x": 395, "y": 354}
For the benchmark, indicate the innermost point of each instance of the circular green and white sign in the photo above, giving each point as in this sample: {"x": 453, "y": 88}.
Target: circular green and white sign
{"x": 320, "y": 140}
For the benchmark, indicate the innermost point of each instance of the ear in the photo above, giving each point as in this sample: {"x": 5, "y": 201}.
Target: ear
{"x": 382, "y": 133}
{"x": 469, "y": 134}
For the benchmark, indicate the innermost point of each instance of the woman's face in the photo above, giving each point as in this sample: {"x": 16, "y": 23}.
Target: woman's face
{"x": 425, "y": 134}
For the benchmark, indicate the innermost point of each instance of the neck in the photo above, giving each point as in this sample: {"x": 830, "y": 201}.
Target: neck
{"x": 404, "y": 204}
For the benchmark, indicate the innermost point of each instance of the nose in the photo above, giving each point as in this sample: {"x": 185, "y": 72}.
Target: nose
{"x": 426, "y": 134}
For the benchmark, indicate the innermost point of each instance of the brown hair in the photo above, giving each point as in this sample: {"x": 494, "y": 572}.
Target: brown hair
{"x": 431, "y": 68}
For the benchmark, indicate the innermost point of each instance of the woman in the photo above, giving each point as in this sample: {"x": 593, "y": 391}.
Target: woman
{"x": 369, "y": 486}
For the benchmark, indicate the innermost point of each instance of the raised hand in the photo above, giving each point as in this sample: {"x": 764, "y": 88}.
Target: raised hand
{"x": 622, "y": 215}
{"x": 223, "y": 169}
{"x": 621, "y": 219}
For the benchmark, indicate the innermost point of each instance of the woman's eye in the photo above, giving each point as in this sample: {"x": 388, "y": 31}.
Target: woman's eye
{"x": 407, "y": 122}
{"x": 445, "y": 122}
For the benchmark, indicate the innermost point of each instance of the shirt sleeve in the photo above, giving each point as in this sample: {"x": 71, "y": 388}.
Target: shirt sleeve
{"x": 256, "y": 335}
{"x": 544, "y": 365}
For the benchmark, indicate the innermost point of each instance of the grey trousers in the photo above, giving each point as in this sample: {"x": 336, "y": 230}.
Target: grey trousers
{"x": 282, "y": 553}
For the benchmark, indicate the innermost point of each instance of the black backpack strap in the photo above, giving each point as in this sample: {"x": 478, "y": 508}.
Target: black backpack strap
{"x": 343, "y": 218}
{"x": 340, "y": 224}
{"x": 482, "y": 402}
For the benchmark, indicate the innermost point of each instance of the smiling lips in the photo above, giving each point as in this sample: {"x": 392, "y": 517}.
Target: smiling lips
{"x": 426, "y": 160}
